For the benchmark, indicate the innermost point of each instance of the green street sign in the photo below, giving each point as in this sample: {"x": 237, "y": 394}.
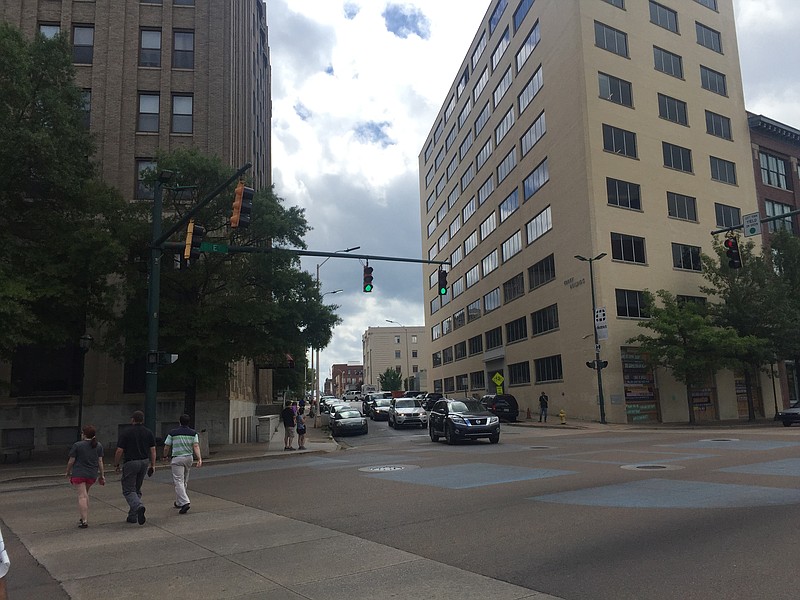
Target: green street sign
{"x": 211, "y": 247}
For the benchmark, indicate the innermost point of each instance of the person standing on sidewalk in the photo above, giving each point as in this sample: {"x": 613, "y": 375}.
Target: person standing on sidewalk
{"x": 138, "y": 445}
{"x": 185, "y": 445}
{"x": 83, "y": 467}
{"x": 543, "y": 401}
{"x": 5, "y": 564}
{"x": 301, "y": 431}
{"x": 287, "y": 416}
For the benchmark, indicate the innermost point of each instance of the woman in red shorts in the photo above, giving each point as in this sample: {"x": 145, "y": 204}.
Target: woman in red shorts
{"x": 84, "y": 465}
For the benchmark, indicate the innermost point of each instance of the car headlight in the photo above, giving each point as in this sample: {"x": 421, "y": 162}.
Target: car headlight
{"x": 458, "y": 420}
{"x": 493, "y": 420}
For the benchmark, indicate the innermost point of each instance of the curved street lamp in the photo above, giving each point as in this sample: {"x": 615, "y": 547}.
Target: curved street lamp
{"x": 315, "y": 393}
{"x": 408, "y": 368}
{"x": 85, "y": 343}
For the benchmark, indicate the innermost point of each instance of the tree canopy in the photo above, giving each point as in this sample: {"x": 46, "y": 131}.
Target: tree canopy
{"x": 390, "y": 380}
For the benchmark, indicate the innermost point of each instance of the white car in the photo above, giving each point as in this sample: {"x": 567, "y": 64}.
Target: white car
{"x": 351, "y": 396}
{"x": 406, "y": 412}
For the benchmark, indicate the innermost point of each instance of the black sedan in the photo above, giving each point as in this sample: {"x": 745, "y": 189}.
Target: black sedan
{"x": 465, "y": 419}
{"x": 379, "y": 409}
{"x": 348, "y": 420}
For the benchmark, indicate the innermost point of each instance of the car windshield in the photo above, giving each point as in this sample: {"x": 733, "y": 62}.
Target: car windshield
{"x": 383, "y": 402}
{"x": 464, "y": 406}
{"x": 347, "y": 414}
{"x": 407, "y": 404}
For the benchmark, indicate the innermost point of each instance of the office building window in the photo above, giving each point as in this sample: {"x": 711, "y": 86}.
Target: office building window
{"x": 542, "y": 272}
{"x": 148, "y": 120}
{"x": 460, "y": 351}
{"x": 628, "y": 248}
{"x": 477, "y": 380}
{"x": 615, "y": 89}
{"x": 181, "y": 114}
{"x": 429, "y": 151}
{"x": 672, "y": 109}
{"x": 727, "y": 216}
{"x": 708, "y": 37}
{"x": 435, "y": 305}
{"x": 82, "y": 44}
{"x": 774, "y": 171}
{"x": 528, "y": 46}
{"x": 458, "y": 287}
{"x": 462, "y": 85}
{"x": 494, "y": 338}
{"x": 677, "y": 157}
{"x": 183, "y": 50}
{"x": 451, "y": 106}
{"x": 509, "y": 206}
{"x": 447, "y": 325}
{"x": 663, "y": 16}
{"x": 517, "y": 330}
{"x": 484, "y": 153}
{"x": 538, "y": 226}
{"x": 513, "y": 288}
{"x": 465, "y": 145}
{"x": 506, "y": 165}
{"x": 505, "y": 125}
{"x": 521, "y": 12}
{"x": 723, "y": 170}
{"x": 441, "y": 213}
{"x": 476, "y": 55}
{"x": 464, "y": 114}
{"x": 150, "y": 48}
{"x": 485, "y": 190}
{"x": 455, "y": 226}
{"x": 686, "y": 257}
{"x": 48, "y": 30}
{"x": 667, "y": 62}
{"x": 775, "y": 209}
{"x": 469, "y": 209}
{"x": 436, "y": 331}
{"x": 530, "y": 90}
{"x": 451, "y": 137}
{"x": 429, "y": 176}
{"x": 501, "y": 48}
{"x": 548, "y": 368}
{"x": 610, "y": 39}
{"x": 619, "y": 141}
{"x": 519, "y": 373}
{"x": 471, "y": 242}
{"x": 451, "y": 168}
{"x": 482, "y": 81}
{"x": 544, "y": 320}
{"x": 534, "y": 133}
{"x": 473, "y": 276}
{"x": 437, "y": 134}
{"x": 623, "y": 193}
{"x": 502, "y": 87}
{"x": 475, "y": 345}
{"x": 144, "y": 191}
{"x": 459, "y": 319}
{"x": 436, "y": 358}
{"x": 489, "y": 264}
{"x": 630, "y": 303}
{"x": 397, "y": 354}
{"x": 537, "y": 178}
{"x": 489, "y": 225}
{"x": 474, "y": 311}
{"x": 718, "y": 125}
{"x": 712, "y": 4}
{"x": 494, "y": 20}
{"x": 511, "y": 247}
{"x": 482, "y": 118}
{"x": 682, "y": 207}
{"x": 491, "y": 301}
{"x": 443, "y": 240}
{"x": 713, "y": 81}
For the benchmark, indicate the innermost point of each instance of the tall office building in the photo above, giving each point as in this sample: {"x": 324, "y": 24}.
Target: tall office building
{"x": 157, "y": 75}
{"x": 583, "y": 154}
{"x": 402, "y": 349}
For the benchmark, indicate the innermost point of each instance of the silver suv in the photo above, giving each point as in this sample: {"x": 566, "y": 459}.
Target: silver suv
{"x": 405, "y": 412}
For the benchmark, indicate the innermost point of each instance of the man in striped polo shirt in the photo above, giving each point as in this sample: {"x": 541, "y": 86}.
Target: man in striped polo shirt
{"x": 185, "y": 445}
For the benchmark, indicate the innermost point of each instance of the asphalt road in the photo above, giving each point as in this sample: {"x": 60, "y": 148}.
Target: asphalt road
{"x": 582, "y": 515}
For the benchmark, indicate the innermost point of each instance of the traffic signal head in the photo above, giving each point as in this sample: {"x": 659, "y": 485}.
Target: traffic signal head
{"x": 732, "y": 252}
{"x": 242, "y": 206}
{"x": 442, "y": 282}
{"x": 194, "y": 237}
{"x": 367, "y": 279}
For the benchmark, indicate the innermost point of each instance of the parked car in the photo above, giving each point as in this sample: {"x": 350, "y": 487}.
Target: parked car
{"x": 325, "y": 401}
{"x": 404, "y": 412}
{"x": 465, "y": 419}
{"x": 430, "y": 399}
{"x": 503, "y": 405}
{"x": 348, "y": 420}
{"x": 379, "y": 409}
{"x": 789, "y": 415}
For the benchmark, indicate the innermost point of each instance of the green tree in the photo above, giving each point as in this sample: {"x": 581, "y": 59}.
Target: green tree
{"x": 390, "y": 380}
{"x": 686, "y": 341}
{"x": 226, "y": 307}
{"x": 62, "y": 232}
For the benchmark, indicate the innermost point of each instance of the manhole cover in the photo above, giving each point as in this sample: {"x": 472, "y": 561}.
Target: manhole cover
{"x": 651, "y": 467}
{"x": 387, "y": 468}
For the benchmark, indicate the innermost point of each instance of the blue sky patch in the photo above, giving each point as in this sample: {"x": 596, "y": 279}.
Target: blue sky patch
{"x": 404, "y": 20}
{"x": 351, "y": 9}
{"x": 372, "y": 132}
{"x": 302, "y": 112}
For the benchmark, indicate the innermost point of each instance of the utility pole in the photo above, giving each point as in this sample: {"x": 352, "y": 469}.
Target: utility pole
{"x": 598, "y": 365}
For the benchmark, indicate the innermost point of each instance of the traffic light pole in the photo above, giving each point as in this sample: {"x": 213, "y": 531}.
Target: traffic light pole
{"x": 157, "y": 246}
{"x": 598, "y": 365}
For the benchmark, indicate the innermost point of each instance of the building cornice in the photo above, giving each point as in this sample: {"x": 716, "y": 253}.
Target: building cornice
{"x": 773, "y": 128}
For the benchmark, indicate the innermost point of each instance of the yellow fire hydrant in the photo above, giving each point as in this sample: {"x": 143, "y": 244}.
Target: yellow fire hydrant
{"x": 563, "y": 416}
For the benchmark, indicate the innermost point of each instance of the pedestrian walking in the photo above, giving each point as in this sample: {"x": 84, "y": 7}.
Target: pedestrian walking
{"x": 184, "y": 444}
{"x": 543, "y": 400}
{"x": 137, "y": 445}
{"x": 301, "y": 431}
{"x": 302, "y": 406}
{"x": 5, "y": 565}
{"x": 84, "y": 467}
{"x": 287, "y": 416}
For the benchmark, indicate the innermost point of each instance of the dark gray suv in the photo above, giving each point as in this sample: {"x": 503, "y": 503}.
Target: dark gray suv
{"x": 465, "y": 419}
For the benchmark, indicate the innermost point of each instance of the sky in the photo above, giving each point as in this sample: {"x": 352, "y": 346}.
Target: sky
{"x": 356, "y": 86}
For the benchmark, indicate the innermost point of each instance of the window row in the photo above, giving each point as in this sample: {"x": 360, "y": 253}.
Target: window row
{"x": 546, "y": 369}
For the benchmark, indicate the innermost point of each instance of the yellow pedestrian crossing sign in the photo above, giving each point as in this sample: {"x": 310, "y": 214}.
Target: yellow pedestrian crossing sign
{"x": 498, "y": 379}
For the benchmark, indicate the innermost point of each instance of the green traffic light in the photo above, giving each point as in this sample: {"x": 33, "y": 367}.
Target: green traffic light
{"x": 368, "y": 287}
{"x": 442, "y": 291}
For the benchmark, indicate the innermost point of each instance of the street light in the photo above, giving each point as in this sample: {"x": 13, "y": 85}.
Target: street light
{"x": 85, "y": 343}
{"x": 405, "y": 335}
{"x": 597, "y": 365}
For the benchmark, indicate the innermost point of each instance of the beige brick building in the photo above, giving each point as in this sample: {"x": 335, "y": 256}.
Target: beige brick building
{"x": 156, "y": 75}
{"x": 404, "y": 349}
{"x": 582, "y": 128}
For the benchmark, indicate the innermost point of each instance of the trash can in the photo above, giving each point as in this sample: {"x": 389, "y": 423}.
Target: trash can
{"x": 264, "y": 428}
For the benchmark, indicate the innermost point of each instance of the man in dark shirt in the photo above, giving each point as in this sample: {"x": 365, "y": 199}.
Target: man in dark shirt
{"x": 138, "y": 445}
{"x": 287, "y": 416}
